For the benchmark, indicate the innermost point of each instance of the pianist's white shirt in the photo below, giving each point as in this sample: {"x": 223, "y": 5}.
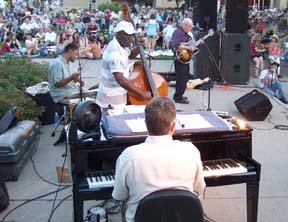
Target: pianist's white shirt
{"x": 158, "y": 163}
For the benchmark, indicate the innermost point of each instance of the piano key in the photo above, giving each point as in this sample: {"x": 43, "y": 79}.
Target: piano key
{"x": 222, "y": 167}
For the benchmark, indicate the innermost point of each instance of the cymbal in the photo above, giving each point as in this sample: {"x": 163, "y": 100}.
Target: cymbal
{"x": 87, "y": 93}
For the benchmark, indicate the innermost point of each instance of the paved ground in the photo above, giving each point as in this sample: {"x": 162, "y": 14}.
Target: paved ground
{"x": 223, "y": 204}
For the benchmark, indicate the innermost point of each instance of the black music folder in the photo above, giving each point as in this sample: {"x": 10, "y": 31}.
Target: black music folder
{"x": 133, "y": 125}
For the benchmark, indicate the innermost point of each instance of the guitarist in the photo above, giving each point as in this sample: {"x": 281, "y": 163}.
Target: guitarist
{"x": 114, "y": 82}
{"x": 180, "y": 40}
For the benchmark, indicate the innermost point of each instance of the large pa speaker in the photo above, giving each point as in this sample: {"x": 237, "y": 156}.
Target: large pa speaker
{"x": 236, "y": 16}
{"x": 208, "y": 59}
{"x": 205, "y": 14}
{"x": 235, "y": 63}
{"x": 254, "y": 106}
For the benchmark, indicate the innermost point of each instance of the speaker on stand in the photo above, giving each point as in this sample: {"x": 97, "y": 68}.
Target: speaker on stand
{"x": 205, "y": 14}
{"x": 236, "y": 16}
{"x": 235, "y": 59}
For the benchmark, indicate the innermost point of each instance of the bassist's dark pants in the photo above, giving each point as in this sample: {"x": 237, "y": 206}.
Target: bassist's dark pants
{"x": 182, "y": 76}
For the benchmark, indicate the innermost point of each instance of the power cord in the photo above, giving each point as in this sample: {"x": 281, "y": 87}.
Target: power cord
{"x": 59, "y": 186}
{"x": 42, "y": 178}
{"x": 208, "y": 219}
{"x": 39, "y": 175}
{"x": 30, "y": 200}
{"x": 61, "y": 201}
{"x": 281, "y": 127}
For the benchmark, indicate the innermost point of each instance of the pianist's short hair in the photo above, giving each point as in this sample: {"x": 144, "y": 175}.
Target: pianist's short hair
{"x": 159, "y": 113}
{"x": 70, "y": 47}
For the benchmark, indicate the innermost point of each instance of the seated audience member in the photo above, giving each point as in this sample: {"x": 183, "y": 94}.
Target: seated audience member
{"x": 92, "y": 27}
{"x": 284, "y": 47}
{"x": 62, "y": 82}
{"x": 274, "y": 51}
{"x": 93, "y": 51}
{"x": 81, "y": 42}
{"x": 30, "y": 44}
{"x": 50, "y": 37}
{"x": 27, "y": 26}
{"x": 8, "y": 29}
{"x": 270, "y": 84}
{"x": 168, "y": 32}
{"x": 5, "y": 48}
{"x": 158, "y": 163}
{"x": 69, "y": 28}
{"x": 40, "y": 36}
{"x": 45, "y": 21}
{"x": 61, "y": 42}
{"x": 256, "y": 54}
{"x": 102, "y": 42}
{"x": 15, "y": 44}
{"x": 79, "y": 25}
{"x": 37, "y": 25}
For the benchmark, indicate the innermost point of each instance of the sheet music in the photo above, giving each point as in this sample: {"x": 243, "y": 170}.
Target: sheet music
{"x": 135, "y": 108}
{"x": 191, "y": 121}
{"x": 136, "y": 125}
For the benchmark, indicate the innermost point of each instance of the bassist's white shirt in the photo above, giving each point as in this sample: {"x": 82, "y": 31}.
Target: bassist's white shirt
{"x": 115, "y": 59}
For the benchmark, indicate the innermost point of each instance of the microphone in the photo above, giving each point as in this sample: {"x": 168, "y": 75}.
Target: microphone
{"x": 197, "y": 27}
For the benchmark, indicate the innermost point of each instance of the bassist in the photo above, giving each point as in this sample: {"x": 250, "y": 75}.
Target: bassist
{"x": 180, "y": 39}
{"x": 114, "y": 83}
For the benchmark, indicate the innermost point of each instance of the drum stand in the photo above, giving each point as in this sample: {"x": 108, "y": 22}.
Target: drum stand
{"x": 63, "y": 120}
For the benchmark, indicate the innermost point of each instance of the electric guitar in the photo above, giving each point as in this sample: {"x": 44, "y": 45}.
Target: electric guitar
{"x": 184, "y": 56}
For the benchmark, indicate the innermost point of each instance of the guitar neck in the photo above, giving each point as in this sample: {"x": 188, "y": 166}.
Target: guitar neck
{"x": 205, "y": 37}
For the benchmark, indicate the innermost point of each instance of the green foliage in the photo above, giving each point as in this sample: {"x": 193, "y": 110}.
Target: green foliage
{"x": 13, "y": 73}
{"x": 114, "y": 6}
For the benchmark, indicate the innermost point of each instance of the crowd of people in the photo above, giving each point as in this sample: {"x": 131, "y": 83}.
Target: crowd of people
{"x": 53, "y": 28}
{"x": 42, "y": 27}
{"x": 269, "y": 41}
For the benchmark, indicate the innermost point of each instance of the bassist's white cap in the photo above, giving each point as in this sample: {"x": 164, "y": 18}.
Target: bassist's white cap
{"x": 126, "y": 27}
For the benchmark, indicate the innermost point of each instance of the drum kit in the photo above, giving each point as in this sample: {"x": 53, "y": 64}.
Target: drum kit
{"x": 72, "y": 100}
{"x": 70, "y": 104}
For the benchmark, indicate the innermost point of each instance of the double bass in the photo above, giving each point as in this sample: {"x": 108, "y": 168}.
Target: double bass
{"x": 141, "y": 76}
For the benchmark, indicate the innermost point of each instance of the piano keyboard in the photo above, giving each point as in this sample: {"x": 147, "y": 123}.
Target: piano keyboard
{"x": 221, "y": 167}
{"x": 100, "y": 179}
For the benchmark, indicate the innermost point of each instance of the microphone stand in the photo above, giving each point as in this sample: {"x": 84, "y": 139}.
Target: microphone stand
{"x": 211, "y": 58}
{"x": 80, "y": 76}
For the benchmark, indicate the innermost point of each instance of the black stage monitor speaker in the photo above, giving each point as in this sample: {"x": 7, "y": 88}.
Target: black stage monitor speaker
{"x": 206, "y": 64}
{"x": 205, "y": 14}
{"x": 235, "y": 58}
{"x": 236, "y": 16}
{"x": 254, "y": 106}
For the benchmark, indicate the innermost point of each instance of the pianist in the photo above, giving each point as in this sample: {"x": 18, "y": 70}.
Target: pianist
{"x": 158, "y": 163}
{"x": 61, "y": 82}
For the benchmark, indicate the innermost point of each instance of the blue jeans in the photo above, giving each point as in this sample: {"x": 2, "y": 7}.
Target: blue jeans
{"x": 273, "y": 88}
{"x": 286, "y": 56}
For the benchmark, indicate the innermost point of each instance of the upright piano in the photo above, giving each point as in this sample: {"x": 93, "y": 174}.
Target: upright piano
{"x": 223, "y": 153}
